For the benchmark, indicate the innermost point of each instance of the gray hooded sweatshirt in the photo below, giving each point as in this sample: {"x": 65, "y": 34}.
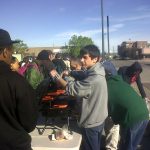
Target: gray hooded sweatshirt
{"x": 92, "y": 91}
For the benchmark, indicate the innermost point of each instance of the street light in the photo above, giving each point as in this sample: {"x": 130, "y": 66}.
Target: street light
{"x": 102, "y": 17}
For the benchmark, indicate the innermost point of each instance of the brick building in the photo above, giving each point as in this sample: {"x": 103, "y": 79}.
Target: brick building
{"x": 134, "y": 49}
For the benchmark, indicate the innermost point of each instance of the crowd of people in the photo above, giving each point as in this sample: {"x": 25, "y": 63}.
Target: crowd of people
{"x": 100, "y": 90}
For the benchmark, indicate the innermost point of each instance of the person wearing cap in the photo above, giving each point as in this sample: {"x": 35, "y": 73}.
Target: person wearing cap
{"x": 18, "y": 110}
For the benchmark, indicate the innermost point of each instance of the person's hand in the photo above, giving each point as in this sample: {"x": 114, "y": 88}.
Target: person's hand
{"x": 147, "y": 99}
{"x": 53, "y": 73}
{"x": 65, "y": 73}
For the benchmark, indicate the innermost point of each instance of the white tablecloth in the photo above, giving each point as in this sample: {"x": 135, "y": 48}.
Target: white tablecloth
{"x": 42, "y": 142}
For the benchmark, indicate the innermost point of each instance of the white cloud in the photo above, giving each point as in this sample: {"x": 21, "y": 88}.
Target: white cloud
{"x": 142, "y": 8}
{"x": 89, "y": 33}
{"x": 94, "y": 34}
{"x": 134, "y": 18}
{"x": 116, "y": 27}
{"x": 92, "y": 19}
{"x": 63, "y": 37}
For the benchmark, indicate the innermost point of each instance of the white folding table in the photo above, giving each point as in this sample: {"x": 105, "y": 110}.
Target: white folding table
{"x": 42, "y": 142}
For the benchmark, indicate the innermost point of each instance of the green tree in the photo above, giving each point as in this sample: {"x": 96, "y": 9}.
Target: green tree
{"x": 20, "y": 47}
{"x": 76, "y": 43}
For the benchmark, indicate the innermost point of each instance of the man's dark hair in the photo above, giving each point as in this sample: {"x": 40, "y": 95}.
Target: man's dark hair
{"x": 92, "y": 50}
{"x": 76, "y": 59}
{"x": 43, "y": 55}
{"x": 58, "y": 56}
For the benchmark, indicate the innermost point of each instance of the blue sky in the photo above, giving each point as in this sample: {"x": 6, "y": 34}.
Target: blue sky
{"x": 53, "y": 22}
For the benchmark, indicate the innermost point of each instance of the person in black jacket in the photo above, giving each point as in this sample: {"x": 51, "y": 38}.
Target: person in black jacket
{"x": 18, "y": 109}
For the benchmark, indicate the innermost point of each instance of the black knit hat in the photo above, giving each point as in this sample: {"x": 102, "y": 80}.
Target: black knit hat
{"x": 135, "y": 67}
{"x": 5, "y": 39}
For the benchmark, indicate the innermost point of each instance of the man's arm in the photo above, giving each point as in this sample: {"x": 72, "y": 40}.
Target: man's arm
{"x": 58, "y": 78}
{"x": 74, "y": 88}
{"x": 140, "y": 87}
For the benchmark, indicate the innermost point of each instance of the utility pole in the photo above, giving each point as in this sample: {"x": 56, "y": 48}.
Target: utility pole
{"x": 113, "y": 51}
{"x": 108, "y": 35}
{"x": 102, "y": 18}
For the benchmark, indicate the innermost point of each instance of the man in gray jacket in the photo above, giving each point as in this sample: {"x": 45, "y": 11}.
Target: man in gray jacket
{"x": 92, "y": 90}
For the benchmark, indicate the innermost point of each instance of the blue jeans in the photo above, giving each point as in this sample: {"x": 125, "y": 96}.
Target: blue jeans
{"x": 132, "y": 136}
{"x": 91, "y": 137}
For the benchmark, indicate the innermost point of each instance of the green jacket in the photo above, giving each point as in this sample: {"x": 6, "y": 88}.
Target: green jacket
{"x": 33, "y": 75}
{"x": 126, "y": 107}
